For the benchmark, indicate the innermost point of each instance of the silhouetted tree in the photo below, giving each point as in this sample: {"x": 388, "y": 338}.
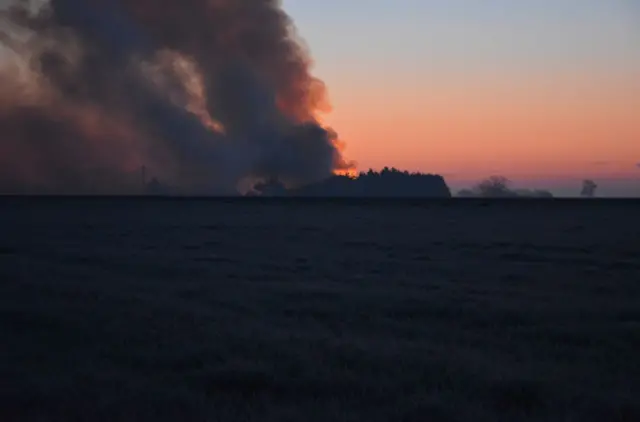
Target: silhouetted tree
{"x": 588, "y": 188}
{"x": 498, "y": 187}
{"x": 494, "y": 187}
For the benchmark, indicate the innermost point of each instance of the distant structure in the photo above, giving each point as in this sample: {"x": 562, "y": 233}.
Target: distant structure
{"x": 588, "y": 188}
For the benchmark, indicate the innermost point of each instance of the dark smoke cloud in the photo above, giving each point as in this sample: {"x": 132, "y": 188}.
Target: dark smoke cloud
{"x": 203, "y": 93}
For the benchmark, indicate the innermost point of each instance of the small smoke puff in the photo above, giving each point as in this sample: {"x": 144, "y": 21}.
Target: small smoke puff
{"x": 638, "y": 165}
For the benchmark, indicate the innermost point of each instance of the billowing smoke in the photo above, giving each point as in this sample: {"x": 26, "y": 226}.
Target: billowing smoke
{"x": 205, "y": 94}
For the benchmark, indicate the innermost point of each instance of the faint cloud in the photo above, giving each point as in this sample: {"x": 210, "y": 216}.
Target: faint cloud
{"x": 638, "y": 165}
{"x": 601, "y": 163}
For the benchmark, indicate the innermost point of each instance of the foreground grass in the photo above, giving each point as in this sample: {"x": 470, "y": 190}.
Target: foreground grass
{"x": 207, "y": 311}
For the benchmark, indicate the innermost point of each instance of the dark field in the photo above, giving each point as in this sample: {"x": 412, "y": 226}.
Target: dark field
{"x": 143, "y": 309}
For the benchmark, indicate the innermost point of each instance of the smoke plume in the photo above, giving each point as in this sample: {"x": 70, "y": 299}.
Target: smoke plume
{"x": 205, "y": 94}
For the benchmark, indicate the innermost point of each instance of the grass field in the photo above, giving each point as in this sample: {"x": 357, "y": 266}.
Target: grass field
{"x": 189, "y": 310}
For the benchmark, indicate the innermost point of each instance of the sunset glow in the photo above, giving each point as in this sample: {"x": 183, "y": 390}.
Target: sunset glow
{"x": 534, "y": 90}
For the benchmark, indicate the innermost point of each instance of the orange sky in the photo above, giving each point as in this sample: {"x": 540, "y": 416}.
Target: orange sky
{"x": 470, "y": 128}
{"x": 530, "y": 89}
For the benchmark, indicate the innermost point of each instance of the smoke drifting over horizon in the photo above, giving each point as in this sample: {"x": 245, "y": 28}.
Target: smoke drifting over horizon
{"x": 205, "y": 94}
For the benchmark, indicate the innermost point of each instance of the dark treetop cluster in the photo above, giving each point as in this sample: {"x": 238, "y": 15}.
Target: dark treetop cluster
{"x": 388, "y": 183}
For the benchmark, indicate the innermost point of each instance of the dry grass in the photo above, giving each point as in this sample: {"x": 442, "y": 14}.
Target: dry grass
{"x": 204, "y": 310}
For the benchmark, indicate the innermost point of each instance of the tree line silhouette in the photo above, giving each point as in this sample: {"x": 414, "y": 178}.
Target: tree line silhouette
{"x": 500, "y": 187}
{"x": 387, "y": 183}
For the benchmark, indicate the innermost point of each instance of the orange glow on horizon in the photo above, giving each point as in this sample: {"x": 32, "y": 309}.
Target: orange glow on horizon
{"x": 567, "y": 127}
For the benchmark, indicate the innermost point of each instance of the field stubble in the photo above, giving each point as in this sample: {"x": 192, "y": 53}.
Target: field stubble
{"x": 276, "y": 310}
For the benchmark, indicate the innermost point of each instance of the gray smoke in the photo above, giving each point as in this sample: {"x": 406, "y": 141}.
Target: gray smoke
{"x": 204, "y": 94}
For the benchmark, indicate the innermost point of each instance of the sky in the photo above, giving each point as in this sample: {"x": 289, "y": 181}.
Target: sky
{"x": 545, "y": 92}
